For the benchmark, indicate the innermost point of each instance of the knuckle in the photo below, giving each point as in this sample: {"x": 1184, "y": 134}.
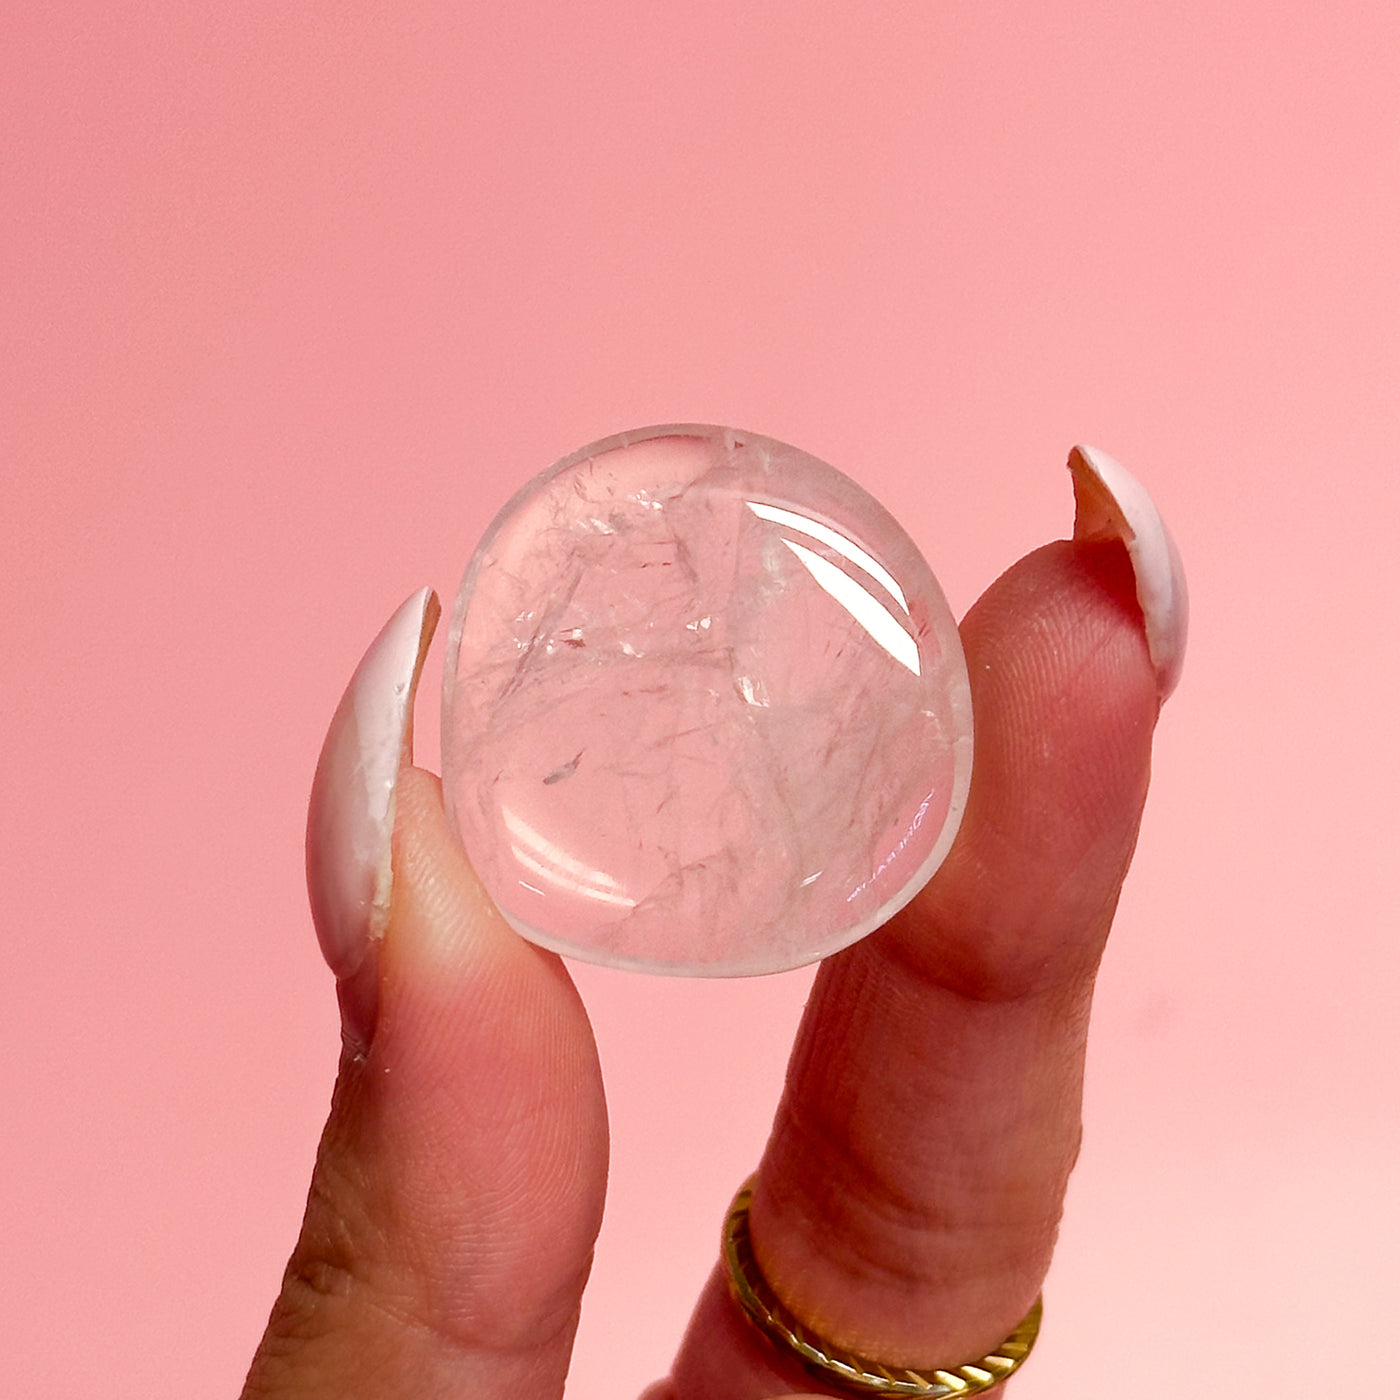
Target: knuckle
{"x": 332, "y": 1270}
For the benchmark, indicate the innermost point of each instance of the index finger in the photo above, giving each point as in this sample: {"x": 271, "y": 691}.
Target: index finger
{"x": 908, "y": 1200}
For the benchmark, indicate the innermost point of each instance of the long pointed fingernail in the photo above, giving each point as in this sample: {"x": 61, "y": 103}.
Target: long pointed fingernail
{"x": 349, "y": 827}
{"x": 1110, "y": 503}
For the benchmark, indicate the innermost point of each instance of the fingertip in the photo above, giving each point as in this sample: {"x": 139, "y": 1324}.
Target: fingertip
{"x": 1066, "y": 604}
{"x": 1065, "y": 698}
{"x": 442, "y": 922}
{"x": 488, "y": 1046}
{"x": 1058, "y": 660}
{"x": 456, "y": 978}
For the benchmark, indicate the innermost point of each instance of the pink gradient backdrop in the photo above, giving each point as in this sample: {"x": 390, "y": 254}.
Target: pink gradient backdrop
{"x": 295, "y": 296}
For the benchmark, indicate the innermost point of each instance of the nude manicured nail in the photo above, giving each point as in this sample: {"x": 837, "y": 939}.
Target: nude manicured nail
{"x": 1110, "y": 503}
{"x": 349, "y": 874}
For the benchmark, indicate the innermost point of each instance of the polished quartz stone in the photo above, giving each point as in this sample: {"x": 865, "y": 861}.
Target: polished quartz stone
{"x": 706, "y": 711}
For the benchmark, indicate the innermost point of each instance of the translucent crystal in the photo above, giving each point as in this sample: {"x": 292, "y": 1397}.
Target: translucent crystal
{"x": 706, "y": 711}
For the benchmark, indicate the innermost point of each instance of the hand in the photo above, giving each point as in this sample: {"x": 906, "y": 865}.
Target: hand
{"x": 907, "y": 1201}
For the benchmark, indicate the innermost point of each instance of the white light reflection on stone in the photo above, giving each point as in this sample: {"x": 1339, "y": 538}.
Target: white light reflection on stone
{"x": 555, "y": 867}
{"x": 848, "y": 549}
{"x": 863, "y": 606}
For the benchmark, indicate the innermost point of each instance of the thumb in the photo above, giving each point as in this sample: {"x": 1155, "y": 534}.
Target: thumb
{"x": 459, "y": 1183}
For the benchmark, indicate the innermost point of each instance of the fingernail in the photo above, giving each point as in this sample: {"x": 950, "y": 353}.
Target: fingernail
{"x": 349, "y": 874}
{"x": 1110, "y": 503}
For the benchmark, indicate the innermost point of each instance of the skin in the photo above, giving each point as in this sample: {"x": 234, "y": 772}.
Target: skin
{"x": 908, "y": 1198}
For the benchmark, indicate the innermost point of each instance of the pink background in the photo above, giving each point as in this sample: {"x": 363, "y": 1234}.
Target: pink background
{"x": 295, "y": 296}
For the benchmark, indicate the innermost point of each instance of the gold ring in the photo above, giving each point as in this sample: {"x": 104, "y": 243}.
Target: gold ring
{"x": 834, "y": 1366}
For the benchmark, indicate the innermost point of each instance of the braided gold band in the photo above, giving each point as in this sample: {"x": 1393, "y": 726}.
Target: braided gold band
{"x": 842, "y": 1369}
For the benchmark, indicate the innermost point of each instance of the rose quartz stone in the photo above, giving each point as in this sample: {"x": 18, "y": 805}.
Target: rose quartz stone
{"x": 706, "y": 711}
